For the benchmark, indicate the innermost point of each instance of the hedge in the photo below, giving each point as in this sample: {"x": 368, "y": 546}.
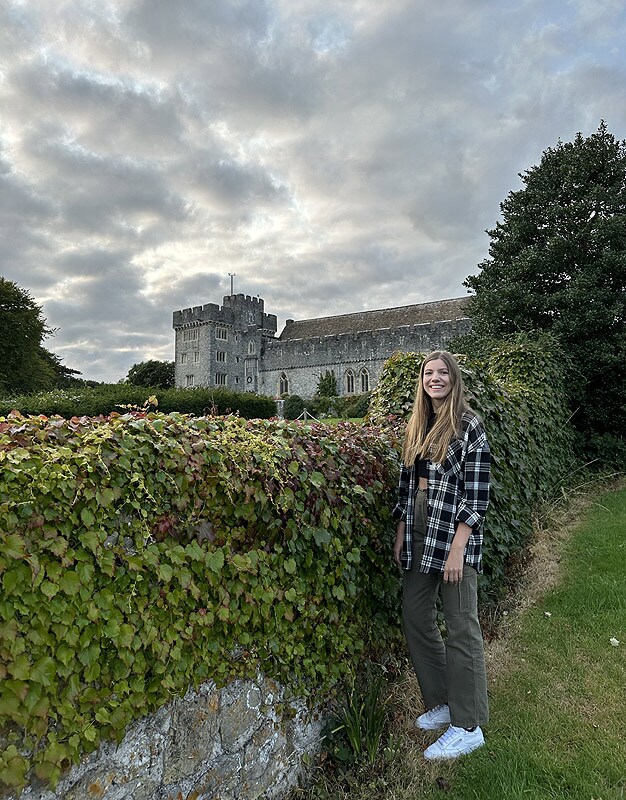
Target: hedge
{"x": 101, "y": 400}
{"x": 518, "y": 391}
{"x": 144, "y": 553}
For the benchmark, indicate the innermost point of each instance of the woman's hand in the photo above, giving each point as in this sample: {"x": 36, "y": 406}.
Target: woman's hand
{"x": 453, "y": 570}
{"x": 397, "y": 547}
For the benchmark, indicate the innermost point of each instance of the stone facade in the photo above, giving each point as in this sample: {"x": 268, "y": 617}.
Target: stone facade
{"x": 236, "y": 346}
{"x": 238, "y": 743}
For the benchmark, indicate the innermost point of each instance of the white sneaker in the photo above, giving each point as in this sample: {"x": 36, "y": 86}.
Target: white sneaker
{"x": 455, "y": 742}
{"x": 437, "y": 717}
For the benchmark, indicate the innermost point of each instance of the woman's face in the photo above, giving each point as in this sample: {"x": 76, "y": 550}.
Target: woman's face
{"x": 436, "y": 381}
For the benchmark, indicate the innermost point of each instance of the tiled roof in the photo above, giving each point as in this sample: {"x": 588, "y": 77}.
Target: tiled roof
{"x": 375, "y": 320}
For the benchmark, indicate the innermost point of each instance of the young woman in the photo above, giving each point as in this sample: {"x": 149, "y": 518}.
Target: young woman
{"x": 443, "y": 496}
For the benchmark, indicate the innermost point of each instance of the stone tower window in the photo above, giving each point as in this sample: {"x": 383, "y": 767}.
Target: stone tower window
{"x": 189, "y": 380}
{"x": 365, "y": 380}
{"x": 221, "y": 333}
{"x": 220, "y": 355}
{"x": 220, "y": 379}
{"x": 251, "y": 347}
{"x": 349, "y": 382}
{"x": 283, "y": 385}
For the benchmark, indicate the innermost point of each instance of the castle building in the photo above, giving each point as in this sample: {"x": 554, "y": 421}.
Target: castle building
{"x": 235, "y": 345}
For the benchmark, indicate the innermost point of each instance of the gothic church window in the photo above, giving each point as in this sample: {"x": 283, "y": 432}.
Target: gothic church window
{"x": 365, "y": 380}
{"x": 349, "y": 382}
{"x": 283, "y": 386}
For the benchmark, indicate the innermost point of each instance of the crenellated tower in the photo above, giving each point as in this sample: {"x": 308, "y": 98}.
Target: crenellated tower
{"x": 221, "y": 345}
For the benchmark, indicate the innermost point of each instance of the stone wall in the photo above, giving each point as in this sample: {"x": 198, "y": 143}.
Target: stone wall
{"x": 238, "y": 743}
{"x": 304, "y": 360}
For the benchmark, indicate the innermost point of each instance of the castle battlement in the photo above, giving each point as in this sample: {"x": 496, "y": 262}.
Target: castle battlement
{"x": 235, "y": 344}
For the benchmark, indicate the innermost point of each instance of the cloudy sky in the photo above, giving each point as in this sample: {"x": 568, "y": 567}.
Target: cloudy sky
{"x": 336, "y": 155}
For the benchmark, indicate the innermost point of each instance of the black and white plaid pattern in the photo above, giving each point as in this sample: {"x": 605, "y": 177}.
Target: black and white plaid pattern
{"x": 458, "y": 491}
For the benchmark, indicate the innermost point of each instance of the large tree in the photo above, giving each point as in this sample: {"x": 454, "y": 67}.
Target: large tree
{"x": 156, "y": 374}
{"x": 557, "y": 262}
{"x": 25, "y": 366}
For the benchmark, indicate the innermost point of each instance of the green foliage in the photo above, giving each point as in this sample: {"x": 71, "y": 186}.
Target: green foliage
{"x": 347, "y": 407}
{"x": 156, "y": 374}
{"x": 143, "y": 553}
{"x": 357, "y": 727}
{"x": 327, "y": 385}
{"x": 99, "y": 400}
{"x": 24, "y": 365}
{"x": 324, "y": 406}
{"x": 557, "y": 262}
{"x": 518, "y": 390}
{"x": 356, "y": 405}
{"x": 293, "y": 407}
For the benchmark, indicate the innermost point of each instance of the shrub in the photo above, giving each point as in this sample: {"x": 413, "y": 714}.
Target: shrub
{"x": 294, "y": 406}
{"x": 527, "y": 424}
{"x": 143, "y": 553}
{"x": 106, "y": 398}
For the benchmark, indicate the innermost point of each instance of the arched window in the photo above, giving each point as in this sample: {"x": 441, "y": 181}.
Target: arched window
{"x": 365, "y": 380}
{"x": 349, "y": 382}
{"x": 251, "y": 347}
{"x": 283, "y": 385}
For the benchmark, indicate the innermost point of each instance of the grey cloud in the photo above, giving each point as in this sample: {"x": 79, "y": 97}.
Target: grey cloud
{"x": 335, "y": 156}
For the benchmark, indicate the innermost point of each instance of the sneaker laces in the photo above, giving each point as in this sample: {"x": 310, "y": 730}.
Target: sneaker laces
{"x": 447, "y": 736}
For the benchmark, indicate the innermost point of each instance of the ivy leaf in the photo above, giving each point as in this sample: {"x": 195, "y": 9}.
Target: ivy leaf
{"x": 88, "y": 517}
{"x": 215, "y": 561}
{"x": 20, "y": 668}
{"x": 13, "y": 546}
{"x": 291, "y": 566}
{"x": 43, "y": 671}
{"x": 69, "y": 582}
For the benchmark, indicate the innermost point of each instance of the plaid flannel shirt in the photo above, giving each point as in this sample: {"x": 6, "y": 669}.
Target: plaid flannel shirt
{"x": 458, "y": 491}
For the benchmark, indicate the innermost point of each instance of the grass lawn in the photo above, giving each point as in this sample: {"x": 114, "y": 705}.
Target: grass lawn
{"x": 557, "y": 690}
{"x": 558, "y": 707}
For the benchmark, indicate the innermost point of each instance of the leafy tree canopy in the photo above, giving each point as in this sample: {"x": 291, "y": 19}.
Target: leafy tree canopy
{"x": 25, "y": 366}
{"x": 158, "y": 374}
{"x": 557, "y": 262}
{"x": 327, "y": 385}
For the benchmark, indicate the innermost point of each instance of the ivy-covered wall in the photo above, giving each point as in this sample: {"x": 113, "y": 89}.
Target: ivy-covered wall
{"x": 144, "y": 553}
{"x": 517, "y": 388}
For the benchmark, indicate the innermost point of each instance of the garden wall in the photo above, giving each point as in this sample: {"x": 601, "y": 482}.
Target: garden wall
{"x": 144, "y": 554}
{"x": 240, "y": 742}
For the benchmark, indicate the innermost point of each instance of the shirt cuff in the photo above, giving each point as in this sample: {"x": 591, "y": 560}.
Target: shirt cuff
{"x": 399, "y": 513}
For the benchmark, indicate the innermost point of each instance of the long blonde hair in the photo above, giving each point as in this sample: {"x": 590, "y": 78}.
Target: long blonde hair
{"x": 447, "y": 426}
